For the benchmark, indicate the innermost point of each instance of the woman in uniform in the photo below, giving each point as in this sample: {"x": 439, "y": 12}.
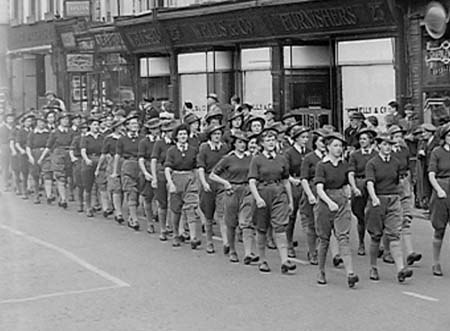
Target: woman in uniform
{"x": 179, "y": 168}
{"x": 332, "y": 211}
{"x": 59, "y": 143}
{"x": 255, "y": 124}
{"x": 128, "y": 148}
{"x": 212, "y": 194}
{"x": 268, "y": 181}
{"x": 21, "y": 146}
{"x": 159, "y": 182}
{"x": 308, "y": 198}
{"x": 36, "y": 142}
{"x": 384, "y": 208}
{"x": 439, "y": 175}
{"x": 294, "y": 156}
{"x": 113, "y": 184}
{"x": 194, "y": 124}
{"x": 77, "y": 160}
{"x": 235, "y": 119}
{"x": 146, "y": 146}
{"x": 357, "y": 180}
{"x": 6, "y": 128}
{"x": 232, "y": 173}
{"x": 401, "y": 151}
{"x": 91, "y": 148}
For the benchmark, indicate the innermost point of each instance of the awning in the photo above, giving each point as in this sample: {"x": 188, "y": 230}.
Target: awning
{"x": 30, "y": 50}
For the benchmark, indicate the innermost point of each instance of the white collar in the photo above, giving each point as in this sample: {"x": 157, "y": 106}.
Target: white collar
{"x": 44, "y": 130}
{"x": 270, "y": 155}
{"x": 245, "y": 154}
{"x": 299, "y": 149}
{"x": 167, "y": 140}
{"x": 369, "y": 150}
{"x": 386, "y": 158}
{"x": 446, "y": 147}
{"x": 92, "y": 134}
{"x": 135, "y": 135}
{"x": 328, "y": 159}
{"x": 319, "y": 154}
{"x": 213, "y": 146}
{"x": 63, "y": 129}
{"x": 152, "y": 138}
{"x": 182, "y": 147}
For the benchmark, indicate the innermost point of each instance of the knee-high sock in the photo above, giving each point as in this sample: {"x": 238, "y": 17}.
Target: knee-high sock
{"x": 231, "y": 234}
{"x": 407, "y": 241}
{"x": 282, "y": 245}
{"x": 162, "y": 216}
{"x": 373, "y": 252}
{"x": 209, "y": 231}
{"x": 261, "y": 243}
{"x": 437, "y": 246}
{"x": 117, "y": 203}
{"x": 323, "y": 250}
{"x": 48, "y": 187}
{"x": 248, "y": 237}
{"x": 223, "y": 231}
{"x": 397, "y": 254}
{"x": 62, "y": 191}
{"x": 88, "y": 200}
{"x": 148, "y": 211}
{"x": 105, "y": 200}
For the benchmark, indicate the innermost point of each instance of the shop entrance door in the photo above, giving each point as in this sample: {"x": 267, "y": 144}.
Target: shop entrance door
{"x": 309, "y": 92}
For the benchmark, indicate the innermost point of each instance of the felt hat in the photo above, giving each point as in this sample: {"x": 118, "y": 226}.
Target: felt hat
{"x": 153, "y": 123}
{"x": 298, "y": 130}
{"x": 385, "y": 137}
{"x": 191, "y": 118}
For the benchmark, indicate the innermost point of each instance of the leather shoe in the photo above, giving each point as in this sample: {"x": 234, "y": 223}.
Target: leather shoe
{"x": 403, "y": 274}
{"x": 226, "y": 249}
{"x": 234, "y": 258}
{"x": 361, "y": 250}
{"x": 176, "y": 242}
{"x": 337, "y": 260}
{"x": 387, "y": 258}
{"x": 374, "y": 274}
{"x": 321, "y": 279}
{"x": 163, "y": 237}
{"x": 264, "y": 267}
{"x": 210, "y": 248}
{"x": 380, "y": 252}
{"x": 119, "y": 219}
{"x": 312, "y": 258}
{"x": 195, "y": 243}
{"x": 271, "y": 244}
{"x": 90, "y": 213}
{"x": 413, "y": 257}
{"x": 437, "y": 270}
{"x": 352, "y": 279}
{"x": 288, "y": 266}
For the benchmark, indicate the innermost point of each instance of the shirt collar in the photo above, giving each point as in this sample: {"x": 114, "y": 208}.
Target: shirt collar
{"x": 300, "y": 149}
{"x": 182, "y": 147}
{"x": 152, "y": 138}
{"x": 133, "y": 135}
{"x": 328, "y": 159}
{"x": 92, "y": 134}
{"x": 386, "y": 158}
{"x": 44, "y": 130}
{"x": 213, "y": 146}
{"x": 446, "y": 147}
{"x": 246, "y": 153}
{"x": 319, "y": 154}
{"x": 290, "y": 141}
{"x": 63, "y": 129}
{"x": 367, "y": 151}
{"x": 270, "y": 155}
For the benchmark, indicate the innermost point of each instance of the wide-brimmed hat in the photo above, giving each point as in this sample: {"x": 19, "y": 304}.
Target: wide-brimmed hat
{"x": 370, "y": 132}
{"x": 26, "y": 116}
{"x": 435, "y": 20}
{"x": 335, "y": 136}
{"x": 62, "y": 115}
{"x": 191, "y": 118}
{"x": 241, "y": 135}
{"x": 270, "y": 128}
{"x": 396, "y": 129}
{"x": 214, "y": 112}
{"x": 292, "y": 126}
{"x": 116, "y": 123}
{"x": 213, "y": 128}
{"x": 428, "y": 127}
{"x": 76, "y": 114}
{"x": 297, "y": 131}
{"x": 280, "y": 126}
{"x": 120, "y": 112}
{"x": 153, "y": 123}
{"x": 289, "y": 115}
{"x": 130, "y": 117}
{"x": 50, "y": 92}
{"x": 41, "y": 118}
{"x": 270, "y": 110}
{"x": 385, "y": 137}
{"x": 256, "y": 119}
{"x": 169, "y": 125}
{"x": 247, "y": 105}
{"x": 235, "y": 115}
{"x": 213, "y": 96}
{"x": 445, "y": 130}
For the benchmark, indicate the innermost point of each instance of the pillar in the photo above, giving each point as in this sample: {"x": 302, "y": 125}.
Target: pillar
{"x": 278, "y": 80}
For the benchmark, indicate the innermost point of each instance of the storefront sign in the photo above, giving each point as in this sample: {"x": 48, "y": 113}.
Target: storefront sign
{"x": 80, "y": 62}
{"x": 68, "y": 40}
{"x": 109, "y": 41}
{"x": 148, "y": 36}
{"x": 77, "y": 8}
{"x": 25, "y": 36}
{"x": 436, "y": 62}
{"x": 85, "y": 43}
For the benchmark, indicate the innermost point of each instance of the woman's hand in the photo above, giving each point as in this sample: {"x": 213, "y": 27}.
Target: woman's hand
{"x": 260, "y": 203}
{"x": 333, "y": 206}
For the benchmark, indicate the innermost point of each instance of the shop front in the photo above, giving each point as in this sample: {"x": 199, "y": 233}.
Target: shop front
{"x": 281, "y": 55}
{"x": 31, "y": 64}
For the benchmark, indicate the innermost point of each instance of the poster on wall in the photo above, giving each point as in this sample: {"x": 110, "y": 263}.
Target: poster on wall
{"x": 80, "y": 62}
{"x": 369, "y": 88}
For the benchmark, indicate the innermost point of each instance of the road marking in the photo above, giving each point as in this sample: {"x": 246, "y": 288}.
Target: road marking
{"x": 118, "y": 282}
{"x": 59, "y": 294}
{"x": 420, "y": 296}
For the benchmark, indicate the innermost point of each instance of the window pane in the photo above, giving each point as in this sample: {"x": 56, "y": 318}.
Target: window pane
{"x": 258, "y": 90}
{"x": 193, "y": 88}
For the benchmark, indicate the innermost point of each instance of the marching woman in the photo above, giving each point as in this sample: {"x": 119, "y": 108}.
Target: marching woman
{"x": 255, "y": 124}
{"x": 294, "y": 156}
{"x": 145, "y": 153}
{"x": 332, "y": 211}
{"x": 6, "y": 128}
{"x": 36, "y": 142}
{"x": 194, "y": 123}
{"x": 77, "y": 160}
{"x": 159, "y": 182}
{"x": 113, "y": 184}
{"x": 21, "y": 146}
{"x": 384, "y": 208}
{"x": 235, "y": 119}
{"x": 439, "y": 175}
{"x": 401, "y": 151}
{"x": 308, "y": 198}
{"x": 51, "y": 118}
{"x": 128, "y": 148}
{"x": 212, "y": 194}
{"x": 91, "y": 149}
{"x": 269, "y": 184}
{"x": 59, "y": 142}
{"x": 232, "y": 173}
{"x": 357, "y": 180}
{"x": 181, "y": 177}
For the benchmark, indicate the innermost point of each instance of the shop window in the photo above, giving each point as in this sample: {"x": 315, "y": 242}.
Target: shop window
{"x": 368, "y": 76}
{"x": 155, "y": 77}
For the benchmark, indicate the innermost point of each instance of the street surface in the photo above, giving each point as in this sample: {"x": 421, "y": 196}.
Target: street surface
{"x": 62, "y": 271}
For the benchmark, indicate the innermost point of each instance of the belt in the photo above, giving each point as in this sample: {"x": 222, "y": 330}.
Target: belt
{"x": 241, "y": 183}
{"x": 66, "y": 148}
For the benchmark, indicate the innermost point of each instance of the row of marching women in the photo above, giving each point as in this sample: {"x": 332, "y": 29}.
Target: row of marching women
{"x": 252, "y": 176}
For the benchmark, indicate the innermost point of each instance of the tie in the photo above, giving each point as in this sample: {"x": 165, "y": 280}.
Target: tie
{"x": 365, "y": 151}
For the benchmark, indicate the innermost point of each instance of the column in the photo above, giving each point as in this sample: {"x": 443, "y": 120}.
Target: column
{"x": 174, "y": 87}
{"x": 278, "y": 79}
